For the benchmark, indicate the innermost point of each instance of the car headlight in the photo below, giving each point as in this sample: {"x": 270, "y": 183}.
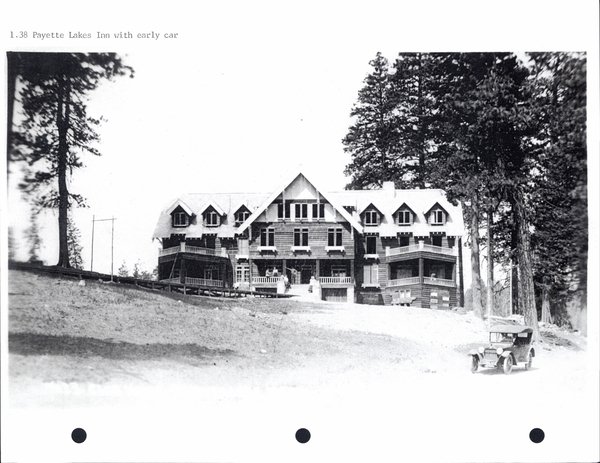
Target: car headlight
{"x": 499, "y": 350}
{"x": 481, "y": 349}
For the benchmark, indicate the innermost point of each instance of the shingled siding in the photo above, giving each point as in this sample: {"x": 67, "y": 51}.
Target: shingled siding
{"x": 317, "y": 240}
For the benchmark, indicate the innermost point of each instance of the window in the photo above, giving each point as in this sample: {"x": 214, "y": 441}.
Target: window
{"x": 300, "y": 236}
{"x": 301, "y": 211}
{"x": 267, "y": 237}
{"x": 212, "y": 219}
{"x": 437, "y": 217}
{"x": 242, "y": 273}
{"x": 371, "y": 275}
{"x": 404, "y": 241}
{"x": 338, "y": 270}
{"x": 436, "y": 240}
{"x": 371, "y": 218}
{"x": 318, "y": 211}
{"x": 334, "y": 237}
{"x": 404, "y": 218}
{"x": 180, "y": 219}
{"x": 283, "y": 208}
{"x": 371, "y": 245}
{"x": 241, "y": 217}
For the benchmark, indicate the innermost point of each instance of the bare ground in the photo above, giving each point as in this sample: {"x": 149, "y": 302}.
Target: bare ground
{"x": 106, "y": 346}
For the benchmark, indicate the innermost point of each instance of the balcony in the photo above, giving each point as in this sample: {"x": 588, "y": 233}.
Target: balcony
{"x": 183, "y": 248}
{"x": 426, "y": 280}
{"x": 390, "y": 252}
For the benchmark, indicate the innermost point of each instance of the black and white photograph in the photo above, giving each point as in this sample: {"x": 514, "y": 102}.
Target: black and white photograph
{"x": 301, "y": 231}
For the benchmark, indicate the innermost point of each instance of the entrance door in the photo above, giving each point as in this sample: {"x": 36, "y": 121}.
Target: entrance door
{"x": 305, "y": 275}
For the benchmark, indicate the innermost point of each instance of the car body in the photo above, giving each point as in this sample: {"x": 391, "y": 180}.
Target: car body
{"x": 509, "y": 346}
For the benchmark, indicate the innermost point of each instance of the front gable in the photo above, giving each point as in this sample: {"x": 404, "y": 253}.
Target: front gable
{"x": 296, "y": 198}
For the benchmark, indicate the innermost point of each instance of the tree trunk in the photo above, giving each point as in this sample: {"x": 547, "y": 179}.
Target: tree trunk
{"x": 461, "y": 280}
{"x": 546, "y": 315}
{"x": 62, "y": 122}
{"x": 526, "y": 288}
{"x": 13, "y": 72}
{"x": 490, "y": 268}
{"x": 475, "y": 270}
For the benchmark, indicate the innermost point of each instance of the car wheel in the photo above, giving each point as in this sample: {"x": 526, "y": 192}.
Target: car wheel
{"x": 474, "y": 363}
{"x": 507, "y": 365}
{"x": 529, "y": 361}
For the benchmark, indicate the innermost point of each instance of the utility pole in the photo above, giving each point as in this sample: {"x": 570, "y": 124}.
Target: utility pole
{"x": 112, "y": 241}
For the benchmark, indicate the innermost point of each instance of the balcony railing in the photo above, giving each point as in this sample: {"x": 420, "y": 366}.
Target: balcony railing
{"x": 439, "y": 282}
{"x": 415, "y": 281}
{"x": 336, "y": 280}
{"x": 191, "y": 250}
{"x": 265, "y": 280}
{"x": 404, "y": 281}
{"x": 420, "y": 247}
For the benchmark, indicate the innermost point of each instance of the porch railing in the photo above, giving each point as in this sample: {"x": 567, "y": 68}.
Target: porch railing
{"x": 420, "y": 247}
{"x": 196, "y": 281}
{"x": 336, "y": 280}
{"x": 264, "y": 280}
{"x": 204, "y": 282}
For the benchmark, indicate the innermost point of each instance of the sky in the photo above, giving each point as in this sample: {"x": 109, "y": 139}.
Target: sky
{"x": 245, "y": 94}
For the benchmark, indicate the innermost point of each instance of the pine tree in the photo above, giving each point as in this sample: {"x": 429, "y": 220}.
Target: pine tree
{"x": 123, "y": 270}
{"x": 371, "y": 140}
{"x": 74, "y": 245}
{"x": 55, "y": 126}
{"x": 560, "y": 193}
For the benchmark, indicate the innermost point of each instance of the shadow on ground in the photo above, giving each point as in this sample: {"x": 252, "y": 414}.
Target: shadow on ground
{"x": 84, "y": 347}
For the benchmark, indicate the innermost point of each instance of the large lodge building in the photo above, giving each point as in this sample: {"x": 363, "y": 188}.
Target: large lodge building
{"x": 384, "y": 246}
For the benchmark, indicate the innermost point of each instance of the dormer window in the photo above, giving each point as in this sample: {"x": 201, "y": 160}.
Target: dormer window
{"x": 371, "y": 218}
{"x": 241, "y": 217}
{"x": 212, "y": 219}
{"x": 404, "y": 218}
{"x": 180, "y": 219}
{"x": 437, "y": 217}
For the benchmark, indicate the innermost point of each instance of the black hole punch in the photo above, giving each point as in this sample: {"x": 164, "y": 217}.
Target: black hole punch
{"x": 78, "y": 435}
{"x": 536, "y": 435}
{"x": 303, "y": 435}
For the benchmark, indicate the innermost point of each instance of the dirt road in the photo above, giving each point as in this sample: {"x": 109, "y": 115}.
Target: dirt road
{"x": 374, "y": 383}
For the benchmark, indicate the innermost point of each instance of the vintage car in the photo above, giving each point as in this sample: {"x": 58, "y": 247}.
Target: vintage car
{"x": 510, "y": 345}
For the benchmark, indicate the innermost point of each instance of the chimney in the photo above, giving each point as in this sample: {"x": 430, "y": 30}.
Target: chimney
{"x": 390, "y": 189}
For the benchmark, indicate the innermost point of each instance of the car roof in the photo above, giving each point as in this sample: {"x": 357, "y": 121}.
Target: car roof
{"x": 510, "y": 329}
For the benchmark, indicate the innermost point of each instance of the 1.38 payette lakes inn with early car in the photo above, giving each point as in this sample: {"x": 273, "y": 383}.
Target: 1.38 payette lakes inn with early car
{"x": 384, "y": 246}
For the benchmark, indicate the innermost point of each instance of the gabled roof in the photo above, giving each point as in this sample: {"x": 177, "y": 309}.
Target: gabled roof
{"x": 273, "y": 196}
{"x": 214, "y": 205}
{"x": 370, "y": 206}
{"x": 388, "y": 202}
{"x": 181, "y": 204}
{"x": 198, "y": 202}
{"x": 432, "y": 207}
{"x": 403, "y": 206}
